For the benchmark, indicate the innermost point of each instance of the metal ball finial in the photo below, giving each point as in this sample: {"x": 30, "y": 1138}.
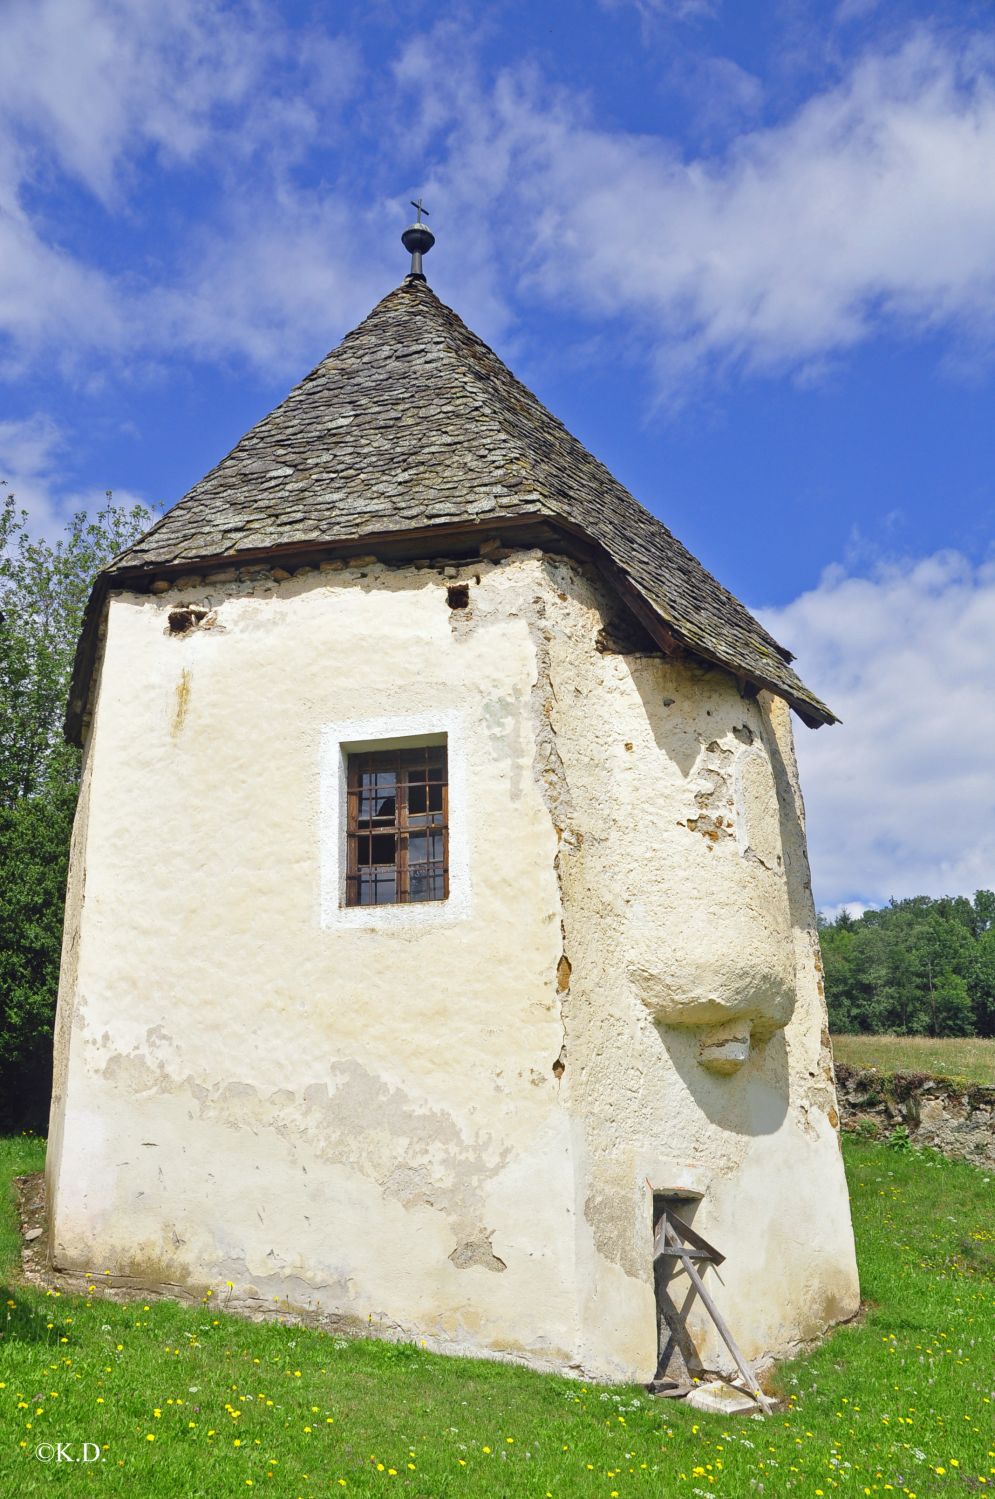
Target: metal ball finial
{"x": 417, "y": 239}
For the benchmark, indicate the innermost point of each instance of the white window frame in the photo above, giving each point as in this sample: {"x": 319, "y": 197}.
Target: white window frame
{"x": 401, "y": 731}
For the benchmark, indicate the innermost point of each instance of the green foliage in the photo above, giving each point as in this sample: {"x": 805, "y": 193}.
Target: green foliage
{"x": 982, "y": 982}
{"x": 915, "y": 967}
{"x": 43, "y": 591}
{"x": 34, "y": 853}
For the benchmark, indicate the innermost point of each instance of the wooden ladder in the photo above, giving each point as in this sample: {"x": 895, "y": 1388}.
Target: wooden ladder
{"x": 675, "y": 1239}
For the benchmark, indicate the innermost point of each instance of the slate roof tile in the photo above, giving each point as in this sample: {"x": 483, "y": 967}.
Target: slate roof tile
{"x": 414, "y": 422}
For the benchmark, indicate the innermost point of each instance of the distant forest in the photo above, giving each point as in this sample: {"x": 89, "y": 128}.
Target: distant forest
{"x": 915, "y": 967}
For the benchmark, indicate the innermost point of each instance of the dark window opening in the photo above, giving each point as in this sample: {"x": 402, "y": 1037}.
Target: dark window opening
{"x": 678, "y": 1363}
{"x": 398, "y": 827}
{"x": 458, "y": 596}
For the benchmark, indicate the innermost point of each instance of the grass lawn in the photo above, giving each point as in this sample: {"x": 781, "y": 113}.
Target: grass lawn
{"x": 967, "y": 1057}
{"x": 191, "y": 1402}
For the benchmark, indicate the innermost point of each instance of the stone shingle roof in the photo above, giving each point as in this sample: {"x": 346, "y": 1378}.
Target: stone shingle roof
{"x": 413, "y": 422}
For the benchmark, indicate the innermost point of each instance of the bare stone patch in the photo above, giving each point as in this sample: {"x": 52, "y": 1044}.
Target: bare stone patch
{"x": 477, "y": 1252}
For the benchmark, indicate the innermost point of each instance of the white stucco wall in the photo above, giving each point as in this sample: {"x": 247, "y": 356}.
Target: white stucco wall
{"x": 365, "y": 1115}
{"x": 689, "y": 919}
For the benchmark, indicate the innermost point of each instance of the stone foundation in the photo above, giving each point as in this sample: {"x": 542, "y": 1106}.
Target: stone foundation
{"x": 955, "y": 1118}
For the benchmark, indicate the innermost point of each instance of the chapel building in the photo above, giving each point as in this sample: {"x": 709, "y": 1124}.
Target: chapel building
{"x": 439, "y": 912}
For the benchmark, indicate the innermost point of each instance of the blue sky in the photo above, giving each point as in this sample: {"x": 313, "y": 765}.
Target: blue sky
{"x": 746, "y": 252}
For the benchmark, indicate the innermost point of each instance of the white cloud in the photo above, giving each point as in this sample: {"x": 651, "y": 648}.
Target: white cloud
{"x": 92, "y": 84}
{"x": 871, "y": 209}
{"x": 670, "y": 10}
{"x": 901, "y": 796}
{"x": 32, "y": 469}
{"x": 112, "y": 95}
{"x": 719, "y": 92}
{"x": 853, "y": 908}
{"x": 277, "y": 277}
{"x": 49, "y": 298}
{"x": 854, "y": 10}
{"x": 28, "y": 458}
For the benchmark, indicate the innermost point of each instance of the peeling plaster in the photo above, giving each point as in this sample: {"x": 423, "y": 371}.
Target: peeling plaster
{"x": 477, "y": 1252}
{"x": 412, "y": 1151}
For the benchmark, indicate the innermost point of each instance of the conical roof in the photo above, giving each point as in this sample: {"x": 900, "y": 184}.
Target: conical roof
{"x": 412, "y": 423}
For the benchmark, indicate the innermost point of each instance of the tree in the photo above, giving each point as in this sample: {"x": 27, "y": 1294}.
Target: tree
{"x": 953, "y": 1014}
{"x": 34, "y": 855}
{"x": 984, "y": 911}
{"x": 43, "y": 591}
{"x": 982, "y": 982}
{"x": 915, "y": 966}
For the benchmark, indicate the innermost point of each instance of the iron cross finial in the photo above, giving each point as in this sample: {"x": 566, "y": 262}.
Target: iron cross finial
{"x": 418, "y": 239}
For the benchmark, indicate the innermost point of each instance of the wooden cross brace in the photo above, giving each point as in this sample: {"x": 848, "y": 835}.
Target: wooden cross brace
{"x": 694, "y": 1248}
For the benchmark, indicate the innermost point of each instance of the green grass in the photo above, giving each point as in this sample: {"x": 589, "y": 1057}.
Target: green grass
{"x": 18, "y": 1155}
{"x": 964, "y": 1057}
{"x": 900, "y": 1403}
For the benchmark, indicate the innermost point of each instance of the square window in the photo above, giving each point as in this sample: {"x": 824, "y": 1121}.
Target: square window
{"x": 398, "y": 826}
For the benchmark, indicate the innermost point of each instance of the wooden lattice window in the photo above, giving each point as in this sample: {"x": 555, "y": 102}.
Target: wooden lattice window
{"x": 398, "y": 827}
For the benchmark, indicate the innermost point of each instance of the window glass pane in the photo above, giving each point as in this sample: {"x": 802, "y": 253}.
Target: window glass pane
{"x": 397, "y": 795}
{"x": 384, "y": 801}
{"x": 376, "y": 887}
{"x": 383, "y": 849}
{"x": 424, "y": 848}
{"x": 426, "y": 882}
{"x": 377, "y": 797}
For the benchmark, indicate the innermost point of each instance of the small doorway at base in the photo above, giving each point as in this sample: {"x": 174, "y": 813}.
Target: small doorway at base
{"x": 678, "y": 1363}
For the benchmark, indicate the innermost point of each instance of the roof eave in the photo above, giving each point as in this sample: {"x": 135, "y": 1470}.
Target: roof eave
{"x": 812, "y": 712}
